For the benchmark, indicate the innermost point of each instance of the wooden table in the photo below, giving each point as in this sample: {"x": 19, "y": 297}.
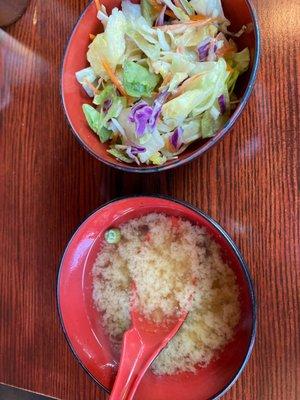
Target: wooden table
{"x": 49, "y": 184}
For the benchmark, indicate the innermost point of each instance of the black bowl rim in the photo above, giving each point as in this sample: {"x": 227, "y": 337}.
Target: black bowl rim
{"x": 235, "y": 249}
{"x": 210, "y": 143}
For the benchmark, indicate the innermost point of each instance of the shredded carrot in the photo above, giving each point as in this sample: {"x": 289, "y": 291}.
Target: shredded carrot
{"x": 91, "y": 86}
{"x": 159, "y": 7}
{"x": 98, "y": 6}
{"x": 199, "y": 17}
{"x": 154, "y": 4}
{"x": 92, "y": 37}
{"x": 114, "y": 78}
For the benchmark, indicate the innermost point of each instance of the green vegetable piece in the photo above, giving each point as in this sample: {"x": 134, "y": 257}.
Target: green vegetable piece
{"x": 106, "y": 93}
{"x": 104, "y": 134}
{"x": 119, "y": 155}
{"x": 96, "y": 122}
{"x": 93, "y": 117}
{"x": 113, "y": 236}
{"x": 138, "y": 81}
{"x": 210, "y": 126}
{"x": 239, "y": 63}
{"x": 148, "y": 12}
{"x": 188, "y": 8}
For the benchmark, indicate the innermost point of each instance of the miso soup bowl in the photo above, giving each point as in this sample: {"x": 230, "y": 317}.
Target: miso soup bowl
{"x": 239, "y": 12}
{"x": 82, "y": 323}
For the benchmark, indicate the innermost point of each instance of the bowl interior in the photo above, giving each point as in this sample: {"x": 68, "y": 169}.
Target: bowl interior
{"x": 82, "y": 322}
{"x": 74, "y": 96}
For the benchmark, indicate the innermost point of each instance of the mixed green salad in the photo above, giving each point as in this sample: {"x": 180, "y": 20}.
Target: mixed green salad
{"x": 161, "y": 75}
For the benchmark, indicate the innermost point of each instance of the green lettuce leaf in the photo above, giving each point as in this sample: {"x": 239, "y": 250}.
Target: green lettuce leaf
{"x": 131, "y": 10}
{"x": 241, "y": 60}
{"x": 119, "y": 155}
{"x": 110, "y": 45}
{"x": 151, "y": 50}
{"x": 193, "y": 36}
{"x": 180, "y": 14}
{"x": 138, "y": 81}
{"x": 104, "y": 134}
{"x": 239, "y": 63}
{"x": 148, "y": 12}
{"x": 200, "y": 93}
{"x": 210, "y": 126}
{"x": 93, "y": 117}
{"x": 158, "y": 159}
{"x": 108, "y": 92}
{"x": 177, "y": 79}
{"x": 208, "y": 7}
{"x": 96, "y": 122}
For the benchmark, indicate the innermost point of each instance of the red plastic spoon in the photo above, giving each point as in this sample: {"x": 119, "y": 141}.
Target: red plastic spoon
{"x": 141, "y": 345}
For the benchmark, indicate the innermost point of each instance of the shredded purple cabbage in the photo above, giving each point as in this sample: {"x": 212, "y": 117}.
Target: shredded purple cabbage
{"x": 176, "y": 138}
{"x": 144, "y": 115}
{"x": 157, "y": 106}
{"x": 137, "y": 150}
{"x": 222, "y": 104}
{"x": 203, "y": 49}
{"x": 161, "y": 18}
{"x": 140, "y": 115}
{"x": 134, "y": 151}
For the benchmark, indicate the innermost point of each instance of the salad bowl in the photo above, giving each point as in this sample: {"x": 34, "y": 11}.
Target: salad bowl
{"x": 239, "y": 12}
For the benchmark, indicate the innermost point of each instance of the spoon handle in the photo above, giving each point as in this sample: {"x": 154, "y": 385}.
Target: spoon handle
{"x": 135, "y": 360}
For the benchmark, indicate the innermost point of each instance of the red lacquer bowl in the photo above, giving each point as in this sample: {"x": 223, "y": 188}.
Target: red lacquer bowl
{"x": 239, "y": 12}
{"x": 81, "y": 322}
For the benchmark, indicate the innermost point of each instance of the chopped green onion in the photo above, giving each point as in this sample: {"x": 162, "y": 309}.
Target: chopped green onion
{"x": 113, "y": 236}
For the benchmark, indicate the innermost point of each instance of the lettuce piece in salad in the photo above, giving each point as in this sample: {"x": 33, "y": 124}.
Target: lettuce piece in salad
{"x": 208, "y": 7}
{"x": 179, "y": 108}
{"x": 191, "y": 130}
{"x": 138, "y": 81}
{"x": 110, "y": 45}
{"x": 210, "y": 125}
{"x": 158, "y": 159}
{"x": 115, "y": 36}
{"x": 180, "y": 14}
{"x": 84, "y": 77}
{"x": 130, "y": 10}
{"x": 98, "y": 121}
{"x": 177, "y": 79}
{"x": 194, "y": 36}
{"x": 108, "y": 92}
{"x": 95, "y": 120}
{"x": 152, "y": 51}
{"x": 148, "y": 12}
{"x": 154, "y": 143}
{"x": 239, "y": 63}
{"x": 199, "y": 93}
{"x": 119, "y": 155}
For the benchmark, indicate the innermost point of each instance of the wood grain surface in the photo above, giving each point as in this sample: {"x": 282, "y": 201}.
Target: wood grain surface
{"x": 48, "y": 184}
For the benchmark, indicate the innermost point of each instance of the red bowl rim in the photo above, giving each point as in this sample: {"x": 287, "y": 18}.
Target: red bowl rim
{"x": 236, "y": 251}
{"x": 204, "y": 148}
